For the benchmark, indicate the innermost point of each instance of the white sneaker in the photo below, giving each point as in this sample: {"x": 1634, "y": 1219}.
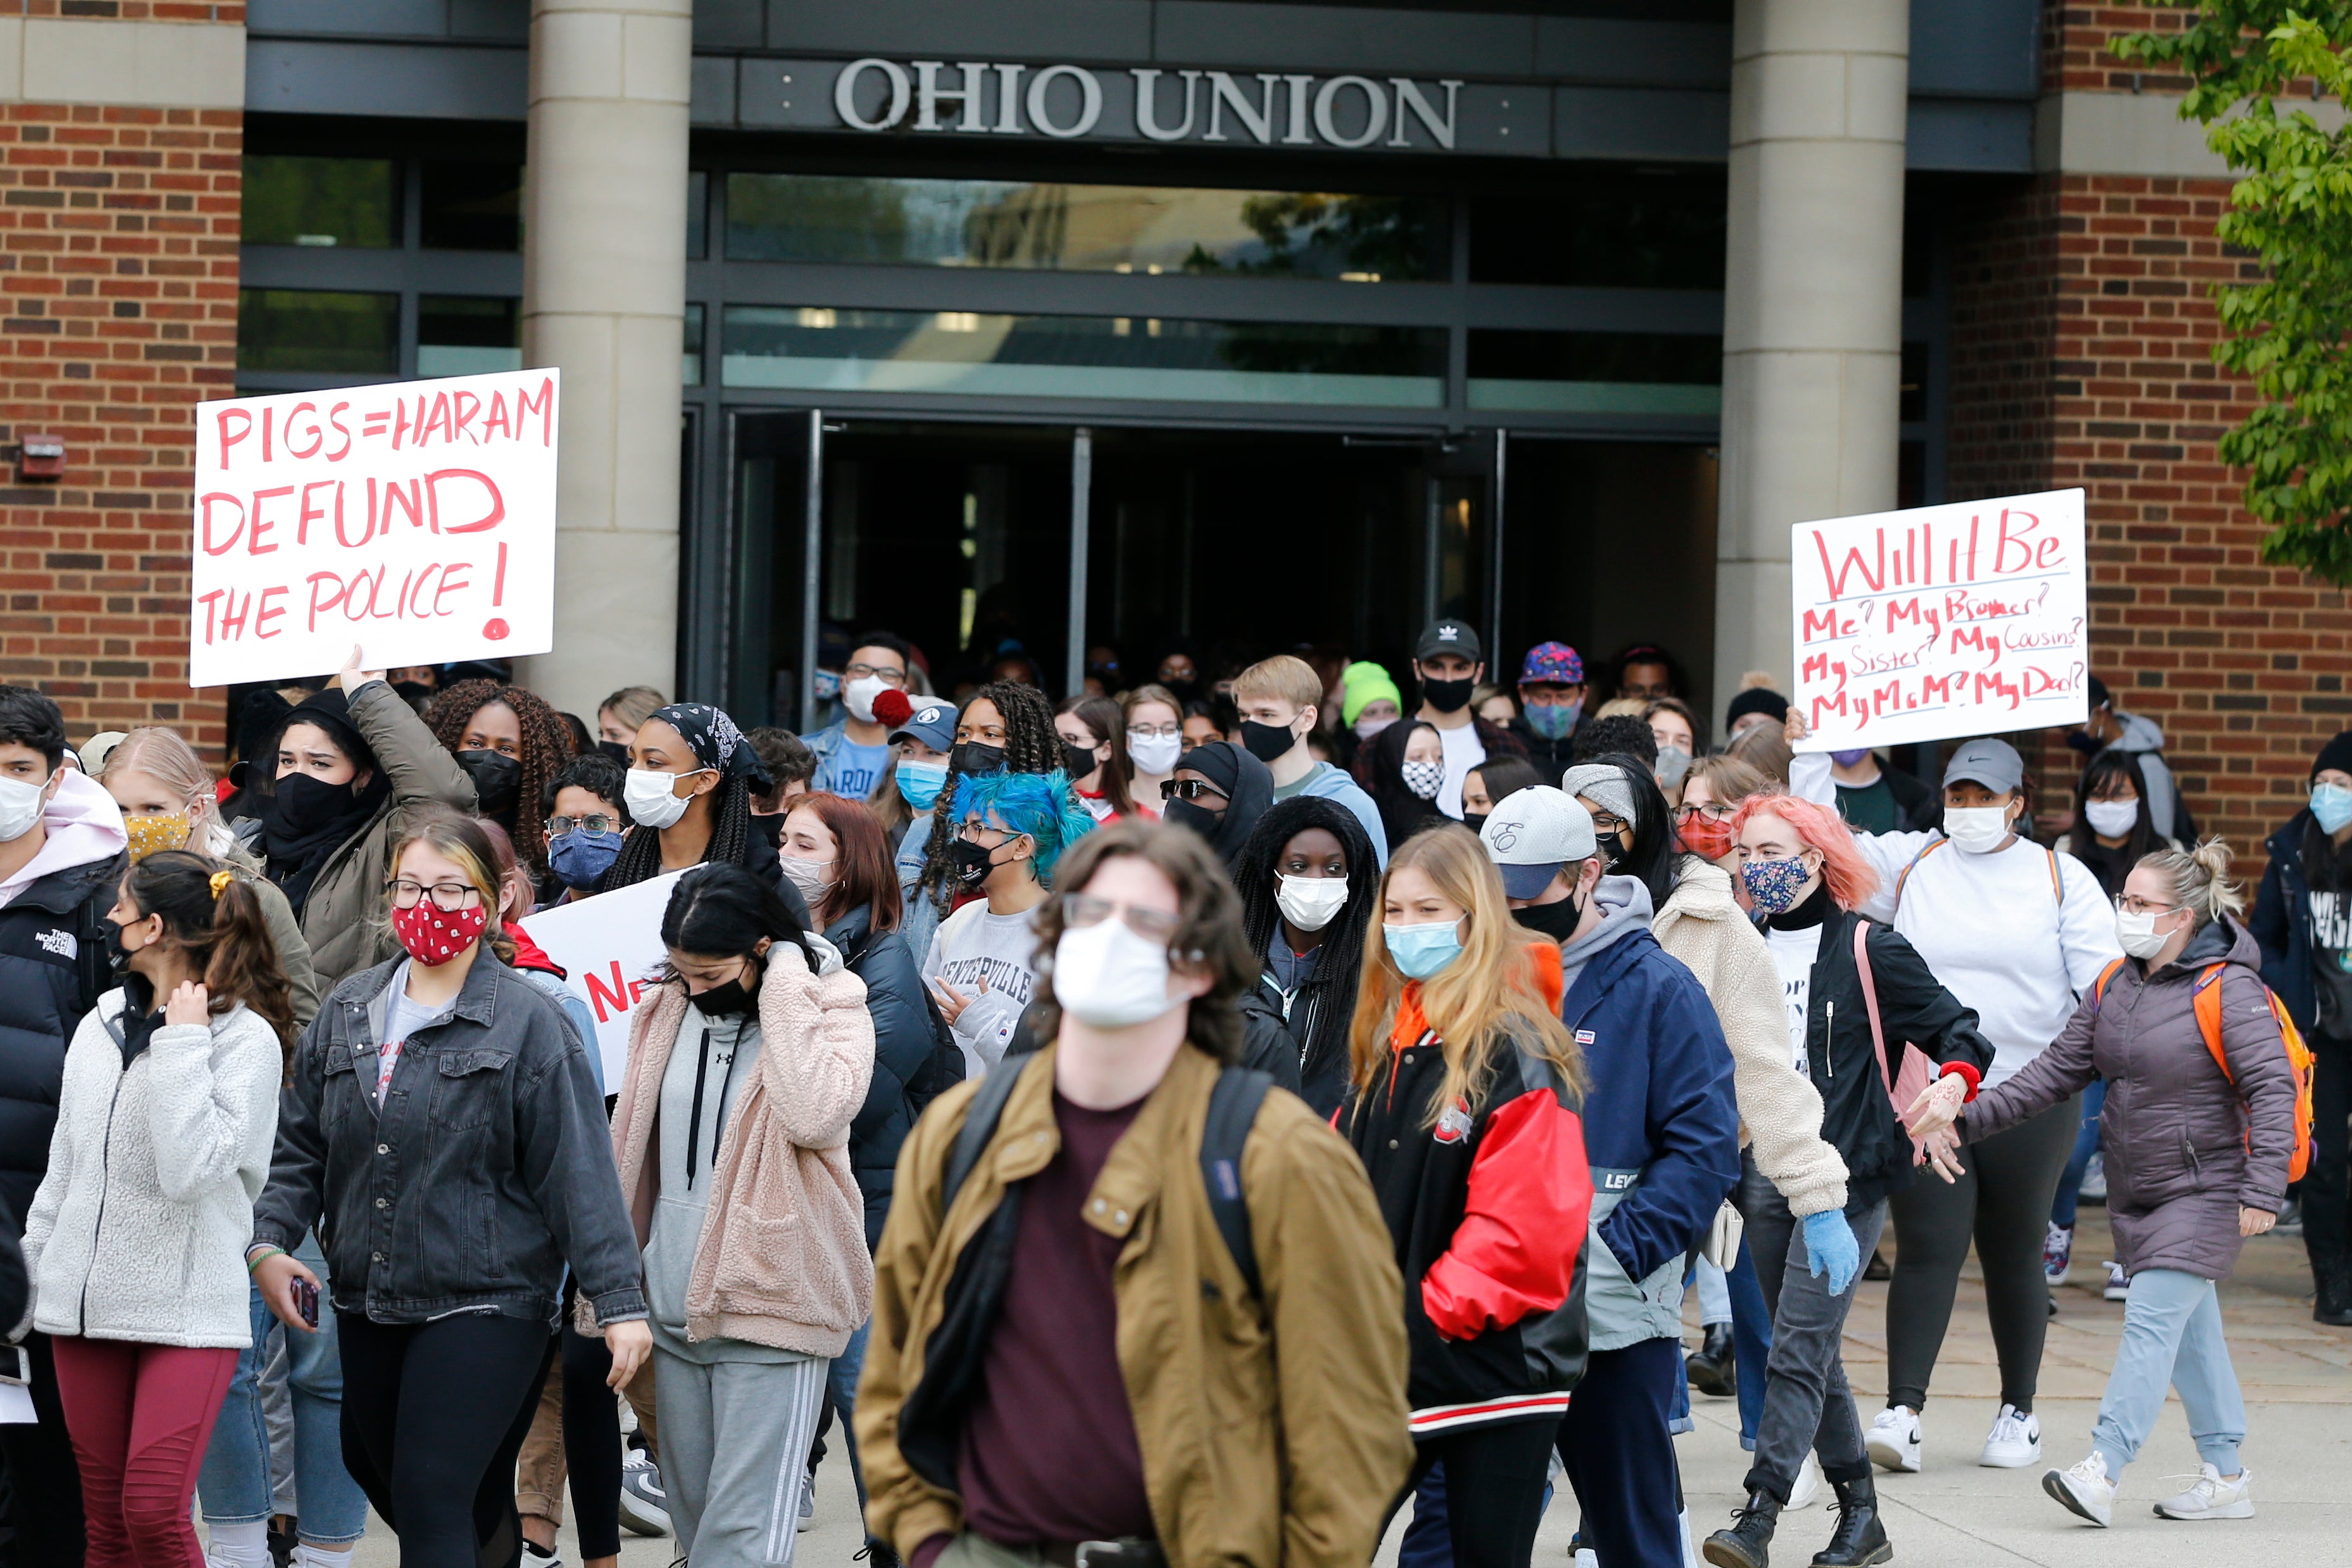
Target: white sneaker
{"x": 1807, "y": 1490}
{"x": 2118, "y": 1282}
{"x": 1893, "y": 1438}
{"x": 2210, "y": 1497}
{"x": 537, "y": 1556}
{"x": 2014, "y": 1442}
{"x": 2084, "y": 1489}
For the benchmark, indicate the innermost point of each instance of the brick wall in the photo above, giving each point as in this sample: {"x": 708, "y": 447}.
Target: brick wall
{"x": 2083, "y": 329}
{"x": 117, "y": 284}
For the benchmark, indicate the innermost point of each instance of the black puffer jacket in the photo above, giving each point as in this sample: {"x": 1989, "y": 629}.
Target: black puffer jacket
{"x": 906, "y": 1031}
{"x": 52, "y": 970}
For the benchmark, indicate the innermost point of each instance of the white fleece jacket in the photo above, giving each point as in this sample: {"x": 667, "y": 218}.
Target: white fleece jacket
{"x": 138, "y": 1231}
{"x": 1780, "y": 1110}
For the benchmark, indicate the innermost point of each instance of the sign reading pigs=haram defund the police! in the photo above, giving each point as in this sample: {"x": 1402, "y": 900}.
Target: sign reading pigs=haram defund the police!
{"x": 415, "y": 521}
{"x": 1966, "y": 619}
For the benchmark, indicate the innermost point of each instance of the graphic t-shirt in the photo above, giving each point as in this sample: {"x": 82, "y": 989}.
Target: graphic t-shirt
{"x": 1794, "y": 952}
{"x": 852, "y": 770}
{"x": 2331, "y": 960}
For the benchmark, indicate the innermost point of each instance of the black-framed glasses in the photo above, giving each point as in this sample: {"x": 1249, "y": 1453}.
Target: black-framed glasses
{"x": 1080, "y": 910}
{"x": 594, "y": 822}
{"x": 1605, "y": 824}
{"x": 448, "y": 897}
{"x": 890, "y": 674}
{"x": 971, "y": 831}
{"x": 1190, "y": 789}
{"x": 1717, "y": 811}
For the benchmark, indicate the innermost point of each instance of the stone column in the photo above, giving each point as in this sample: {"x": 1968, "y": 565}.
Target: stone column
{"x": 603, "y": 296}
{"x": 1813, "y": 307}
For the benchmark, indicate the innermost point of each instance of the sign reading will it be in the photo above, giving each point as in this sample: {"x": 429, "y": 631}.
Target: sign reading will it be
{"x": 1145, "y": 105}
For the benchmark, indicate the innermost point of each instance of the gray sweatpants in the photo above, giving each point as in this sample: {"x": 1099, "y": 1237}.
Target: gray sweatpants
{"x": 735, "y": 1440}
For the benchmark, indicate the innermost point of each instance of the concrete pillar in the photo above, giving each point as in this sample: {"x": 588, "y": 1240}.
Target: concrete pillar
{"x": 603, "y": 296}
{"x": 1812, "y": 327}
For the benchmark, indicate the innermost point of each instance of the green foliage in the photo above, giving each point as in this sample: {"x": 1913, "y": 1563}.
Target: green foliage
{"x": 2292, "y": 210}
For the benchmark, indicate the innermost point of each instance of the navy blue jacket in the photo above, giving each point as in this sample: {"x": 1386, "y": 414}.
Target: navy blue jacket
{"x": 2281, "y": 923}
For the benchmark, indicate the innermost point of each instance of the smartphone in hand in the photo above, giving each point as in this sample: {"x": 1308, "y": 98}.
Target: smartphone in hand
{"x": 306, "y": 1301}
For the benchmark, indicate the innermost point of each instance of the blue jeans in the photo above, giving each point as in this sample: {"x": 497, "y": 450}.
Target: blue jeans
{"x": 235, "y": 1482}
{"x": 841, "y": 1390}
{"x": 2086, "y": 1144}
{"x": 1751, "y": 1342}
{"x": 2172, "y": 1336}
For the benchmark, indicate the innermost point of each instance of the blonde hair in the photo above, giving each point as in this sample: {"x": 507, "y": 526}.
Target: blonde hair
{"x": 1283, "y": 678}
{"x": 1624, "y": 707}
{"x": 1487, "y": 1002}
{"x": 632, "y": 705}
{"x": 1728, "y": 779}
{"x": 2200, "y": 879}
{"x": 165, "y": 756}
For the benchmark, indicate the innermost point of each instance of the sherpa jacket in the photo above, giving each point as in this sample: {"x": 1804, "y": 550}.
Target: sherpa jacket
{"x": 782, "y": 1260}
{"x": 139, "y": 1228}
{"x": 1780, "y": 1110}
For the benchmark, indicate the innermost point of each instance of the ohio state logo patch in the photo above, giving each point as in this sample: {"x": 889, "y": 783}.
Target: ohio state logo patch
{"x": 1454, "y": 1125}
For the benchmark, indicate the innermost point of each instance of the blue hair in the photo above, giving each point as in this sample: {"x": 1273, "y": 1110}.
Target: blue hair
{"x": 1041, "y": 805}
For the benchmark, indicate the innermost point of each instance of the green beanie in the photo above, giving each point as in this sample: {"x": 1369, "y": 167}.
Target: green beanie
{"x": 1362, "y": 684}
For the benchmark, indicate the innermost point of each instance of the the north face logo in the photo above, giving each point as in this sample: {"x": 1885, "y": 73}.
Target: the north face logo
{"x": 61, "y": 943}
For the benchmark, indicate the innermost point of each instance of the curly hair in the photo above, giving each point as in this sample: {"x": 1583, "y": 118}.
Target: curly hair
{"x": 1031, "y": 745}
{"x": 546, "y": 747}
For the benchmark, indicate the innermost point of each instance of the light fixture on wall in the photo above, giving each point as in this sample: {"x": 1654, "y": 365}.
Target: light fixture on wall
{"x": 41, "y": 458}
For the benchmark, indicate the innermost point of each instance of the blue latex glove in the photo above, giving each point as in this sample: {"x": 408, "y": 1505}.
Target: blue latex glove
{"x": 1830, "y": 1243}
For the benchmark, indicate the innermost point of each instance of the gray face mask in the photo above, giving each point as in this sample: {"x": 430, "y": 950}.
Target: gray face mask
{"x": 1673, "y": 765}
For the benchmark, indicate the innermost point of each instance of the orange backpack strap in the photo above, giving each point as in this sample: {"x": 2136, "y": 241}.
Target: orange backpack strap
{"x": 2099, "y": 985}
{"x": 2057, "y": 882}
{"x": 1904, "y": 874}
{"x": 2207, "y": 998}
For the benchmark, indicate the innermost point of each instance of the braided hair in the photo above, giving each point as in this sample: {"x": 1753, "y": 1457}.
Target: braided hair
{"x": 546, "y": 747}
{"x": 1325, "y": 1004}
{"x": 1031, "y": 745}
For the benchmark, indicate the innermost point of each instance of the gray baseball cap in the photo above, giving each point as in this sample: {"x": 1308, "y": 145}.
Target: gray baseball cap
{"x": 1994, "y": 764}
{"x": 1532, "y": 833}
{"x": 932, "y": 722}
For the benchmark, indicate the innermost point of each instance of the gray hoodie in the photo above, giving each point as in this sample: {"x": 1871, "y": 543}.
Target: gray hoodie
{"x": 2145, "y": 739}
{"x": 1625, "y": 906}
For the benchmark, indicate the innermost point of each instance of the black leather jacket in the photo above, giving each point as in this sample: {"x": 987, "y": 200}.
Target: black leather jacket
{"x": 487, "y": 1169}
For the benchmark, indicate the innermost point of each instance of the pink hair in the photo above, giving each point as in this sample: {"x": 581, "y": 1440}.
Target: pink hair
{"x": 1847, "y": 875}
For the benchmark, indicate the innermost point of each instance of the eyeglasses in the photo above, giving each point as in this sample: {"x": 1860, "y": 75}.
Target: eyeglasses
{"x": 2128, "y": 903}
{"x": 448, "y": 897}
{"x": 1603, "y": 823}
{"x": 1190, "y": 789}
{"x": 594, "y": 822}
{"x": 1156, "y": 731}
{"x": 970, "y": 832}
{"x": 891, "y": 675}
{"x": 1080, "y": 910}
{"x": 1718, "y": 812}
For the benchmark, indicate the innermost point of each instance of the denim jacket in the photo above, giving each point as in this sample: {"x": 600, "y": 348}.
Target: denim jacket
{"x": 486, "y": 1170}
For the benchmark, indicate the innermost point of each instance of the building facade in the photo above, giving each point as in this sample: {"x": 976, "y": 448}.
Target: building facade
{"x": 1139, "y": 322}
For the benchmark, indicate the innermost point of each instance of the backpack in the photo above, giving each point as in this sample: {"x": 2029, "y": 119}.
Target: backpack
{"x": 1232, "y": 1106}
{"x": 941, "y": 1071}
{"x": 1918, "y": 1070}
{"x": 2207, "y": 998}
{"x": 2057, "y": 884}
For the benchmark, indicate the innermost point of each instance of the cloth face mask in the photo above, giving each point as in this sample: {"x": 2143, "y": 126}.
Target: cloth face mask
{"x": 1155, "y": 755}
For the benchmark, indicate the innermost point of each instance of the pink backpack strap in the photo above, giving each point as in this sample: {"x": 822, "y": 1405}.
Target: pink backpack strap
{"x": 1869, "y": 1000}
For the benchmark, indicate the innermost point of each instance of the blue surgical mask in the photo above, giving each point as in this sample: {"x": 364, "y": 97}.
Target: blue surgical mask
{"x": 1421, "y": 951}
{"x": 1775, "y": 886}
{"x": 580, "y": 858}
{"x": 1557, "y": 722}
{"x": 920, "y": 782}
{"x": 2332, "y": 804}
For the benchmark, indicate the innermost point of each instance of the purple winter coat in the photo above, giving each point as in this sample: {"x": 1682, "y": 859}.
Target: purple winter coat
{"x": 2176, "y": 1132}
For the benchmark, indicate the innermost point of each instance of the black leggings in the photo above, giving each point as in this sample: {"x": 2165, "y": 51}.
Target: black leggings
{"x": 2002, "y": 1201}
{"x": 2326, "y": 1223}
{"x": 434, "y": 1416}
{"x": 591, "y": 1442}
{"x": 1494, "y": 1489}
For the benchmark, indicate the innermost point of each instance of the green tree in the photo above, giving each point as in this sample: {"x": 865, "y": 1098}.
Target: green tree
{"x": 2290, "y": 332}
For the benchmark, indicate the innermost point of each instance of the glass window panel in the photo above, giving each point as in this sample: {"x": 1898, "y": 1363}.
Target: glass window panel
{"x": 1084, "y": 228}
{"x": 698, "y": 216}
{"x": 470, "y": 206}
{"x": 821, "y": 348}
{"x": 1912, "y": 404}
{"x": 1664, "y": 233}
{"x": 467, "y": 335}
{"x": 1596, "y": 372}
{"x": 347, "y": 202}
{"x": 317, "y": 331}
{"x": 692, "y": 369}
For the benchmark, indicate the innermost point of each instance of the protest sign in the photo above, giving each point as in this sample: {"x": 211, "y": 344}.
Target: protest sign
{"x": 1966, "y": 619}
{"x": 610, "y": 949}
{"x": 416, "y": 520}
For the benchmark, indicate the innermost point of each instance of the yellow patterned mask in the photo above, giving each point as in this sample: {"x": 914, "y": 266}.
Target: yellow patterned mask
{"x": 168, "y": 830}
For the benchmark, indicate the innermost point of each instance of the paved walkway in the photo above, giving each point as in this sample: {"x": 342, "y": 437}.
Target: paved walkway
{"x": 2298, "y": 1382}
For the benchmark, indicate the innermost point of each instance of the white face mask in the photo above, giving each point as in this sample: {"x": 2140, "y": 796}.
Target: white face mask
{"x": 1107, "y": 976}
{"x": 1367, "y": 728}
{"x": 2138, "y": 935}
{"x": 1978, "y": 830}
{"x": 20, "y": 807}
{"x": 1311, "y": 902}
{"x": 2111, "y": 819}
{"x": 1155, "y": 754}
{"x": 813, "y": 878}
{"x": 648, "y": 796}
{"x": 858, "y": 696}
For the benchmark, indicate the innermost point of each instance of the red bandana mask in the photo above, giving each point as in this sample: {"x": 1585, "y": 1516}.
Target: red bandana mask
{"x": 433, "y": 937}
{"x": 1706, "y": 836}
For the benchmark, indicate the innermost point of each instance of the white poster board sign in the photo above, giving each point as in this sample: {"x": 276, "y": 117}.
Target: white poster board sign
{"x": 610, "y": 949}
{"x": 416, "y": 520}
{"x": 1965, "y": 618}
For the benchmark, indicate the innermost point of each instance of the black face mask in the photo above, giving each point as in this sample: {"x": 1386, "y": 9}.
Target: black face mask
{"x": 303, "y": 804}
{"x": 1077, "y": 762}
{"x": 1267, "y": 741}
{"x": 412, "y": 692}
{"x": 2085, "y": 742}
{"x": 1557, "y": 921}
{"x": 615, "y": 749}
{"x": 1200, "y": 819}
{"x": 734, "y": 997}
{"x": 970, "y": 757}
{"x": 118, "y": 957}
{"x": 498, "y": 780}
{"x": 770, "y": 826}
{"x": 971, "y": 862}
{"x": 1447, "y": 697}
{"x": 1474, "y": 821}
{"x": 1183, "y": 691}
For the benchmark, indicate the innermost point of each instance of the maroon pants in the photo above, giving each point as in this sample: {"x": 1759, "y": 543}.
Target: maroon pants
{"x": 139, "y": 1417}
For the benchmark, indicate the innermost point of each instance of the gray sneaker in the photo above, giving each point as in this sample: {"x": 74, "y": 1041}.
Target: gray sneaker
{"x": 644, "y": 1507}
{"x": 808, "y": 1499}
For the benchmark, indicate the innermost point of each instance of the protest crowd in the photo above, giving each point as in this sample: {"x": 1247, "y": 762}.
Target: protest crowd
{"x": 1188, "y": 1121}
